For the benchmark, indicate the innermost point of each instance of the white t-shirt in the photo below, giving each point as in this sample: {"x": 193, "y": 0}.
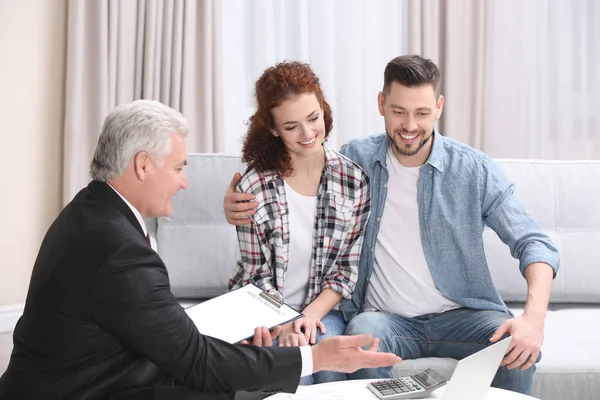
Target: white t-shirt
{"x": 401, "y": 282}
{"x": 301, "y": 219}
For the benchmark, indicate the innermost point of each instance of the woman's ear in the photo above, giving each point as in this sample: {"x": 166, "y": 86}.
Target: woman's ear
{"x": 274, "y": 133}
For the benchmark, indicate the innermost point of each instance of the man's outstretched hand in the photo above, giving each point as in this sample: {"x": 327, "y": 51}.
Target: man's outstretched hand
{"x": 346, "y": 354}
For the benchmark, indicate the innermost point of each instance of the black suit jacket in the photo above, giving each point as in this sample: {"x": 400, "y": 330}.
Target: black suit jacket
{"x": 100, "y": 318}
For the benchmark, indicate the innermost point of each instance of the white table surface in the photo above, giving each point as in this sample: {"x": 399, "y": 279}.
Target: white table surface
{"x": 357, "y": 390}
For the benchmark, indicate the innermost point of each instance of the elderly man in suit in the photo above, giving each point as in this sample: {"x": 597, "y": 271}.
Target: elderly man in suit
{"x": 100, "y": 321}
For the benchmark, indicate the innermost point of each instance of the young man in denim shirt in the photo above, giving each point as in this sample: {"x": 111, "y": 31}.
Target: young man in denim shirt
{"x": 424, "y": 287}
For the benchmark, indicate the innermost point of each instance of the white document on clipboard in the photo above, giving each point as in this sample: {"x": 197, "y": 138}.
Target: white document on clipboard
{"x": 233, "y": 316}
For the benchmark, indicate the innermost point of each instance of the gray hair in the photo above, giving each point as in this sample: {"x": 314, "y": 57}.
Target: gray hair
{"x": 142, "y": 125}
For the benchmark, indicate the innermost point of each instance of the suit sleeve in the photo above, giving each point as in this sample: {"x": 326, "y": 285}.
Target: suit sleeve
{"x": 131, "y": 299}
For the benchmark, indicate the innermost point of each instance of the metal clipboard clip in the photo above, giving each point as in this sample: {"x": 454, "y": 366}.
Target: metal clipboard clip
{"x": 271, "y": 298}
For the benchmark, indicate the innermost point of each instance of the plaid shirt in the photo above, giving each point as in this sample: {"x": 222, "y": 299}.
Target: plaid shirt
{"x": 343, "y": 207}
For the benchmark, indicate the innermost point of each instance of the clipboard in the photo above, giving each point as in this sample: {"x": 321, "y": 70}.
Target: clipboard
{"x": 233, "y": 316}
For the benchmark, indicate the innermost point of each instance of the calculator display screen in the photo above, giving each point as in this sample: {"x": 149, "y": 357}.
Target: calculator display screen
{"x": 425, "y": 379}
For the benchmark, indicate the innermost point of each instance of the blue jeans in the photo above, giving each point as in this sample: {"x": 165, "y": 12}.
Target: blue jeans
{"x": 455, "y": 334}
{"x": 334, "y": 326}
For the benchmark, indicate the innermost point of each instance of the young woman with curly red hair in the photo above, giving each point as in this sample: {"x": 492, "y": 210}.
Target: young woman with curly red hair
{"x": 304, "y": 240}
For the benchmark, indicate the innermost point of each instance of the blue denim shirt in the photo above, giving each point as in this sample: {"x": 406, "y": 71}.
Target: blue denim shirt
{"x": 460, "y": 190}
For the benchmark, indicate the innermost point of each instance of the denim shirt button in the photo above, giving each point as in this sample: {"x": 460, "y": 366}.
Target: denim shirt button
{"x": 431, "y": 171}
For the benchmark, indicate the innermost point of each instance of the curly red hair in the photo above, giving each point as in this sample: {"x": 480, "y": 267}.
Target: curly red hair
{"x": 261, "y": 150}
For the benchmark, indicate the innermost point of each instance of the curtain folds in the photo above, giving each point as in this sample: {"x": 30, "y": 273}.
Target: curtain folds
{"x": 119, "y": 51}
{"x": 520, "y": 78}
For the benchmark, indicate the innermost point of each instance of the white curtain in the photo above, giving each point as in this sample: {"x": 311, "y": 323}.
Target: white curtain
{"x": 347, "y": 43}
{"x": 544, "y": 79}
{"x": 119, "y": 51}
{"x": 455, "y": 35}
{"x": 520, "y": 77}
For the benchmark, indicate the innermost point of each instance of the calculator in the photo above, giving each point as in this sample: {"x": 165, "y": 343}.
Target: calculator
{"x": 410, "y": 387}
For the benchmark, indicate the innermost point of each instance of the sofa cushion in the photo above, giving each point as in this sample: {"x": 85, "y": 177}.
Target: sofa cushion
{"x": 196, "y": 243}
{"x": 561, "y": 195}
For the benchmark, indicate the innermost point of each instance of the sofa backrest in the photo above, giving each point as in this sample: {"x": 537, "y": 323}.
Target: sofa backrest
{"x": 563, "y": 197}
{"x": 196, "y": 243}
{"x": 200, "y": 248}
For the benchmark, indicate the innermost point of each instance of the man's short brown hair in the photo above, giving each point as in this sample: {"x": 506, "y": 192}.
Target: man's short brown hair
{"x": 412, "y": 71}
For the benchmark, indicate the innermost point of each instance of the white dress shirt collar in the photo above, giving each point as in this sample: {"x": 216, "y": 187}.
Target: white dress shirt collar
{"x": 133, "y": 209}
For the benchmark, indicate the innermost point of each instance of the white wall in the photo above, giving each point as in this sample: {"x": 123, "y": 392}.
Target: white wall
{"x": 32, "y": 70}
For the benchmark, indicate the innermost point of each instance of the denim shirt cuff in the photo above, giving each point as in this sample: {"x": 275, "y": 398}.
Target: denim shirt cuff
{"x": 550, "y": 259}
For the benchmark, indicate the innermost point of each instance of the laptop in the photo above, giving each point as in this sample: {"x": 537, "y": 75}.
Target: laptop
{"x": 471, "y": 379}
{"x": 474, "y": 374}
